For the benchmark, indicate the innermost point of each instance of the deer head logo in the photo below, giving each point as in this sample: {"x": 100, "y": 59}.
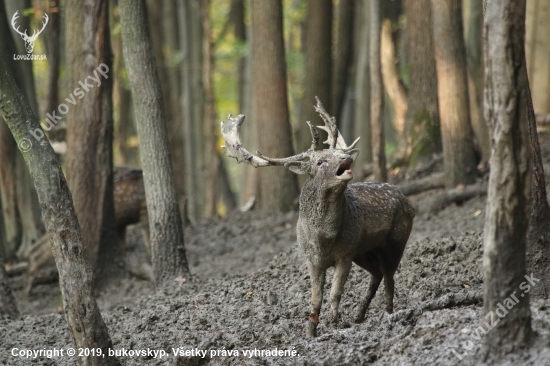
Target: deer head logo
{"x": 29, "y": 41}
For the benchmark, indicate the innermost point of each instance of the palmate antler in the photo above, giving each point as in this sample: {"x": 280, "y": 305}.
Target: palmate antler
{"x": 230, "y": 133}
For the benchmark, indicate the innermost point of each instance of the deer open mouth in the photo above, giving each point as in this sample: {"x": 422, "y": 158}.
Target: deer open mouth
{"x": 343, "y": 169}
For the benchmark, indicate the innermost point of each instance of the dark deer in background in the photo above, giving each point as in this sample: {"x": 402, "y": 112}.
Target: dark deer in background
{"x": 365, "y": 223}
{"x": 29, "y": 40}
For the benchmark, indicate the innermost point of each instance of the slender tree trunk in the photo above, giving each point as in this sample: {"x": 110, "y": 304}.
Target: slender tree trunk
{"x": 168, "y": 251}
{"x": 422, "y": 136}
{"x": 362, "y": 113}
{"x": 342, "y": 55}
{"x": 75, "y": 273}
{"x": 456, "y": 131}
{"x": 278, "y": 190}
{"x": 538, "y": 234}
{"x": 54, "y": 59}
{"x": 475, "y": 78}
{"x": 174, "y": 125}
{"x": 377, "y": 95}
{"x": 392, "y": 84}
{"x": 538, "y": 46}
{"x": 318, "y": 41}
{"x": 211, "y": 156}
{"x": 21, "y": 209}
{"x": 192, "y": 105}
{"x": 7, "y": 301}
{"x": 509, "y": 196}
{"x": 239, "y": 29}
{"x": 90, "y": 132}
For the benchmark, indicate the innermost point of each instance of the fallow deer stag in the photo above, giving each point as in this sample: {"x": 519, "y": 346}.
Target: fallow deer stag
{"x": 365, "y": 223}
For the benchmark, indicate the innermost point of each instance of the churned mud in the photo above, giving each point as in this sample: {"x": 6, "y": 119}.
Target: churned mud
{"x": 250, "y": 294}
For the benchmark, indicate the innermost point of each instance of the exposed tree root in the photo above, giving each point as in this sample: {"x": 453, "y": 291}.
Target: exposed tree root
{"x": 435, "y": 204}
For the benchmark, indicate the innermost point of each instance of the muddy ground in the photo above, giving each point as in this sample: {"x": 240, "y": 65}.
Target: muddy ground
{"x": 251, "y": 291}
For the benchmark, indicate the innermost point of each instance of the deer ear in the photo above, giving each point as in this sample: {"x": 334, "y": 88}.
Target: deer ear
{"x": 298, "y": 167}
{"x": 353, "y": 154}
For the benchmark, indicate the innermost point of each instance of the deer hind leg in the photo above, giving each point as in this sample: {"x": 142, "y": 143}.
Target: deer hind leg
{"x": 341, "y": 272}
{"x": 317, "y": 277}
{"x": 375, "y": 279}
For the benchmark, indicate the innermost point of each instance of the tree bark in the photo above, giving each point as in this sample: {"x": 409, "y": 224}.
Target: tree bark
{"x": 54, "y": 59}
{"x": 392, "y": 84}
{"x": 168, "y": 251}
{"x": 474, "y": 56}
{"x": 318, "y": 68}
{"x": 192, "y": 102}
{"x": 8, "y": 307}
{"x": 278, "y": 189}
{"x": 509, "y": 196}
{"x": 422, "y": 136}
{"x": 23, "y": 222}
{"x": 362, "y": 112}
{"x": 75, "y": 274}
{"x": 377, "y": 95}
{"x": 538, "y": 56}
{"x": 90, "y": 132}
{"x": 209, "y": 126}
{"x": 342, "y": 55}
{"x": 456, "y": 131}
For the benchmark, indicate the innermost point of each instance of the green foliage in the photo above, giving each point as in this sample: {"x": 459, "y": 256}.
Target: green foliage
{"x": 425, "y": 135}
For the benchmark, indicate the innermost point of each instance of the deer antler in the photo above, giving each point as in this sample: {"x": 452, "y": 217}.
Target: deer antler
{"x": 230, "y": 133}
{"x": 335, "y": 139}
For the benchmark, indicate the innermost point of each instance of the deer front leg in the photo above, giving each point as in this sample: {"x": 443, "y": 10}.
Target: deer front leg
{"x": 341, "y": 272}
{"x": 317, "y": 276}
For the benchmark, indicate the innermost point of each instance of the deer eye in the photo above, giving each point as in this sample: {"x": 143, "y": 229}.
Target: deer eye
{"x": 319, "y": 162}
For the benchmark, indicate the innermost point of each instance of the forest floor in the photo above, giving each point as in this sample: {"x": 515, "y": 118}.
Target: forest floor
{"x": 250, "y": 291}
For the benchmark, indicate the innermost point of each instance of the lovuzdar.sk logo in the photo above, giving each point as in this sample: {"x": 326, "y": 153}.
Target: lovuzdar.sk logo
{"x": 29, "y": 40}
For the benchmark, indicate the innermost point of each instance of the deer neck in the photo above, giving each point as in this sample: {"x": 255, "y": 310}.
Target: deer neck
{"x": 322, "y": 207}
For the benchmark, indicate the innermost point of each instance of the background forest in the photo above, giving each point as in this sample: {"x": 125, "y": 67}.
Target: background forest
{"x": 130, "y": 95}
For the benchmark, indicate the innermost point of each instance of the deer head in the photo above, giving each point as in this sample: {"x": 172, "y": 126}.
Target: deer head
{"x": 29, "y": 41}
{"x": 332, "y": 165}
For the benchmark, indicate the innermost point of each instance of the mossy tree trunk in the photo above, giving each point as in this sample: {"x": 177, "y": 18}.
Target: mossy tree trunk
{"x": 75, "y": 272}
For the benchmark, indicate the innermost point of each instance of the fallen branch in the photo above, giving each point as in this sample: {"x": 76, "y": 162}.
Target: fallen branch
{"x": 423, "y": 184}
{"x": 435, "y": 204}
{"x": 444, "y": 302}
{"x": 16, "y": 268}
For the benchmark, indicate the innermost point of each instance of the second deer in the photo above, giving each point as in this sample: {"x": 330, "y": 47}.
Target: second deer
{"x": 365, "y": 223}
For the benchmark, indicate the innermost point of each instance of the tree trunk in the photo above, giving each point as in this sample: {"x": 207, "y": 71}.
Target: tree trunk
{"x": 392, "y": 84}
{"x": 538, "y": 234}
{"x": 21, "y": 209}
{"x": 538, "y": 56}
{"x": 342, "y": 55}
{"x": 75, "y": 273}
{"x": 278, "y": 189}
{"x": 362, "y": 112}
{"x": 474, "y": 56}
{"x": 509, "y": 196}
{"x": 239, "y": 29}
{"x": 168, "y": 251}
{"x": 211, "y": 157}
{"x": 456, "y": 131}
{"x": 54, "y": 59}
{"x": 377, "y": 95}
{"x": 189, "y": 13}
{"x": 421, "y": 135}
{"x": 8, "y": 307}
{"x": 90, "y": 132}
{"x": 318, "y": 68}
